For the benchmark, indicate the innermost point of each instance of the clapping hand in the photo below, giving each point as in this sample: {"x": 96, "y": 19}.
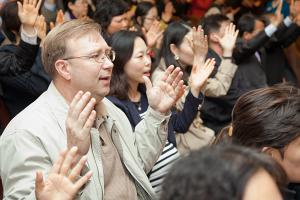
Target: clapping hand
{"x": 164, "y": 95}
{"x": 62, "y": 182}
{"x": 153, "y": 34}
{"x": 200, "y": 45}
{"x": 199, "y": 75}
{"x": 80, "y": 119}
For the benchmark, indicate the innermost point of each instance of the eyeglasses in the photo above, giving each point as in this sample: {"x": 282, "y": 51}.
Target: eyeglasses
{"x": 98, "y": 57}
{"x": 152, "y": 18}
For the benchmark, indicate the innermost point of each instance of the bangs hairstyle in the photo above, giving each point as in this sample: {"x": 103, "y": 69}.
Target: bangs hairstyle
{"x": 55, "y": 43}
{"x": 123, "y": 45}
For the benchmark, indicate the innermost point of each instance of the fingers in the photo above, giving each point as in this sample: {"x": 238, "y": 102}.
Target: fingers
{"x": 167, "y": 72}
{"x": 179, "y": 89}
{"x": 177, "y": 79}
{"x": 38, "y": 4}
{"x": 77, "y": 169}
{"x": 60, "y": 17}
{"x": 58, "y": 163}
{"x": 147, "y": 83}
{"x": 75, "y": 101}
{"x": 85, "y": 107}
{"x": 39, "y": 182}
{"x": 20, "y": 7}
{"x": 67, "y": 163}
{"x": 81, "y": 107}
{"x": 172, "y": 77}
{"x": 83, "y": 180}
{"x": 89, "y": 122}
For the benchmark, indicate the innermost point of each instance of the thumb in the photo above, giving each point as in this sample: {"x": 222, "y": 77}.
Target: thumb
{"x": 20, "y": 8}
{"x": 39, "y": 183}
{"x": 147, "y": 83}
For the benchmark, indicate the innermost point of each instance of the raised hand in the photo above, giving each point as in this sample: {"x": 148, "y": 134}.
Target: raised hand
{"x": 278, "y": 16}
{"x": 29, "y": 11}
{"x": 164, "y": 95}
{"x": 59, "y": 19}
{"x": 41, "y": 27}
{"x": 228, "y": 41}
{"x": 200, "y": 45}
{"x": 62, "y": 183}
{"x": 153, "y": 34}
{"x": 81, "y": 117}
{"x": 199, "y": 76}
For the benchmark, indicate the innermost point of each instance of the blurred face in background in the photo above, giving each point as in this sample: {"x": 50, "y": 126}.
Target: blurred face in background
{"x": 118, "y": 23}
{"x": 79, "y": 9}
{"x": 151, "y": 17}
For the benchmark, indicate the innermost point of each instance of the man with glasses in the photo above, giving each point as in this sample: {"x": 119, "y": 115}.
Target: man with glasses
{"x": 74, "y": 112}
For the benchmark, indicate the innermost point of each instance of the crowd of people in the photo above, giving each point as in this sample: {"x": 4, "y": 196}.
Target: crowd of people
{"x": 150, "y": 99}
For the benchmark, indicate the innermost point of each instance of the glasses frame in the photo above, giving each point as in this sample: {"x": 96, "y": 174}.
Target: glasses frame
{"x": 99, "y": 60}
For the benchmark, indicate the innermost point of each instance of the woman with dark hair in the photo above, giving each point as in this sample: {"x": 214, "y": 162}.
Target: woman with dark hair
{"x": 112, "y": 16}
{"x": 224, "y": 173}
{"x": 145, "y": 14}
{"x": 268, "y": 119}
{"x": 76, "y": 9}
{"x": 127, "y": 91}
{"x": 147, "y": 20}
{"x": 186, "y": 47}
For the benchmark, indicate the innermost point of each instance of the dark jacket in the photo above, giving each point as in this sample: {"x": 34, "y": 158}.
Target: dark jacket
{"x": 277, "y": 67}
{"x": 179, "y": 122}
{"x": 23, "y": 78}
{"x": 216, "y": 112}
{"x": 17, "y": 59}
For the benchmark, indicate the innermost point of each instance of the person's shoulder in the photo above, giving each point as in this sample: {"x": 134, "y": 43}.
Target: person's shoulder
{"x": 32, "y": 119}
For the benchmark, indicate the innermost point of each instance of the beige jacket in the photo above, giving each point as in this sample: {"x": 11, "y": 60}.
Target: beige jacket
{"x": 198, "y": 135}
{"x": 33, "y": 139}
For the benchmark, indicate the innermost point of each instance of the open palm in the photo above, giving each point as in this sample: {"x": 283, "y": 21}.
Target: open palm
{"x": 29, "y": 11}
{"x": 164, "y": 95}
{"x": 199, "y": 75}
{"x": 61, "y": 183}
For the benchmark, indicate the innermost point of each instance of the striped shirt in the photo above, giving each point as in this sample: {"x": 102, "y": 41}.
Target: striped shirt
{"x": 162, "y": 166}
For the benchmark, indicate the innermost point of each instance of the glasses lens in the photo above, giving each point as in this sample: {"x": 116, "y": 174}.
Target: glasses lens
{"x": 110, "y": 55}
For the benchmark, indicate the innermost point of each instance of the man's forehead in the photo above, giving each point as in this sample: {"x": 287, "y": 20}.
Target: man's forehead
{"x": 87, "y": 41}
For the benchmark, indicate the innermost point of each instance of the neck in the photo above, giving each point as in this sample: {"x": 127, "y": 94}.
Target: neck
{"x": 217, "y": 48}
{"x": 133, "y": 93}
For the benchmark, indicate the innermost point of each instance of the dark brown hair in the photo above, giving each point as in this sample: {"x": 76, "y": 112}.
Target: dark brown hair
{"x": 218, "y": 172}
{"x": 267, "y": 117}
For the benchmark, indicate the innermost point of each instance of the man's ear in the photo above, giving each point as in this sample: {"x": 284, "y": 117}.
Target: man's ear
{"x": 63, "y": 69}
{"x": 174, "y": 49}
